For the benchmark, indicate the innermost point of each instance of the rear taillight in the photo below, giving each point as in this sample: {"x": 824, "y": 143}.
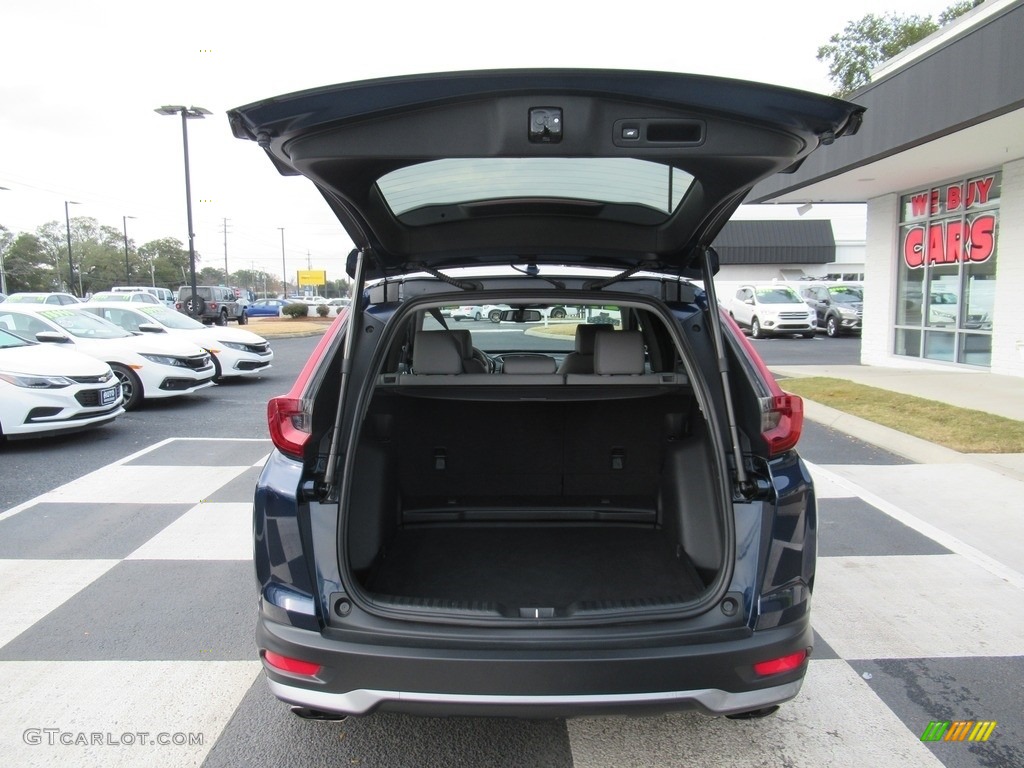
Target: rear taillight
{"x": 781, "y": 664}
{"x": 288, "y": 664}
{"x": 782, "y": 414}
{"x": 288, "y": 419}
{"x": 782, "y": 421}
{"x": 289, "y": 416}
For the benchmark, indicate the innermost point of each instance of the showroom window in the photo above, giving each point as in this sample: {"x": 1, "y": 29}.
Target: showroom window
{"x": 945, "y": 282}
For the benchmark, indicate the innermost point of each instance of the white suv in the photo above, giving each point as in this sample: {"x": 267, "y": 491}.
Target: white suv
{"x": 772, "y": 309}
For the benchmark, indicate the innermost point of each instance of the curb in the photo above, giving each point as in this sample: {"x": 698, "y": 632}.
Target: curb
{"x": 909, "y": 447}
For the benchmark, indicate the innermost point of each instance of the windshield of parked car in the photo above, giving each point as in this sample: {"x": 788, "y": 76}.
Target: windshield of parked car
{"x": 84, "y": 325}
{"x": 845, "y": 294}
{"x": 8, "y": 340}
{"x": 620, "y": 180}
{"x": 778, "y": 295}
{"x": 170, "y": 318}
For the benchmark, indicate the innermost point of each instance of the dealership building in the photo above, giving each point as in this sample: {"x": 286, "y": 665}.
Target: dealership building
{"x": 939, "y": 162}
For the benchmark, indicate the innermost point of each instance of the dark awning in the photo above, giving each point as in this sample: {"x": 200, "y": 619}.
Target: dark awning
{"x": 776, "y": 242}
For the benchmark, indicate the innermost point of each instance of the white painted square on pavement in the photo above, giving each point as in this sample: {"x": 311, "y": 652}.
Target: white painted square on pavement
{"x": 915, "y": 606}
{"x": 145, "y": 485}
{"x": 63, "y": 707}
{"x": 209, "y": 531}
{"x": 33, "y": 588}
{"x": 835, "y": 720}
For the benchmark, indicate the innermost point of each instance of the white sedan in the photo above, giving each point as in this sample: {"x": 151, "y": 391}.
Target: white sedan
{"x": 146, "y": 366}
{"x": 48, "y": 390}
{"x": 235, "y": 352}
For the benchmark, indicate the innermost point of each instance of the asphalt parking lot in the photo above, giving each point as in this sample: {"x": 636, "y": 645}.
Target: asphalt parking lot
{"x": 129, "y": 601}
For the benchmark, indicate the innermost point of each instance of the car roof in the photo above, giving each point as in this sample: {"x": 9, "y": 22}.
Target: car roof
{"x": 606, "y": 168}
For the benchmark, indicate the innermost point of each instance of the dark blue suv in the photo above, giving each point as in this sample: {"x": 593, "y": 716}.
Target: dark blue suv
{"x": 554, "y": 513}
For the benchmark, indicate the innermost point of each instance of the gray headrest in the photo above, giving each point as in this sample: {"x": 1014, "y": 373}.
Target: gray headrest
{"x": 618, "y": 353}
{"x": 585, "y": 335}
{"x": 528, "y": 364}
{"x": 436, "y": 352}
{"x": 464, "y": 341}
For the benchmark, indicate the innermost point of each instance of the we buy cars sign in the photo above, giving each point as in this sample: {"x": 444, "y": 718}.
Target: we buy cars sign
{"x": 970, "y": 238}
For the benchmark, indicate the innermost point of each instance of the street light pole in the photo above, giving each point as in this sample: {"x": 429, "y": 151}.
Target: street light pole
{"x": 127, "y": 272}
{"x": 71, "y": 262}
{"x": 3, "y": 274}
{"x": 284, "y": 269}
{"x": 187, "y": 113}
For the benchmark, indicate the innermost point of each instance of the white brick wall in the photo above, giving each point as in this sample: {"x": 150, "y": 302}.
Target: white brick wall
{"x": 1008, "y": 311}
{"x": 879, "y": 282}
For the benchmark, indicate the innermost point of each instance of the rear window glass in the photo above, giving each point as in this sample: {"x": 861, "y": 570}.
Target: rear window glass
{"x": 599, "y": 179}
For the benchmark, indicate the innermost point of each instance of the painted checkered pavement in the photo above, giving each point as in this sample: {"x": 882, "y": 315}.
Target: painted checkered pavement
{"x": 128, "y": 605}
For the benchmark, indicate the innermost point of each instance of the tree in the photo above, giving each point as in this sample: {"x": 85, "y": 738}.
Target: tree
{"x": 28, "y": 266}
{"x": 167, "y": 260}
{"x": 864, "y": 44}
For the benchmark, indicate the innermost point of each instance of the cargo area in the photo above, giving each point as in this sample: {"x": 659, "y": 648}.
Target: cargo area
{"x": 537, "y": 502}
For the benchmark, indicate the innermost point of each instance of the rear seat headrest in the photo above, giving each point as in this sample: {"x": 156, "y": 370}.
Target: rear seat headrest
{"x": 621, "y": 352}
{"x": 585, "y": 335}
{"x": 436, "y": 352}
{"x": 464, "y": 340}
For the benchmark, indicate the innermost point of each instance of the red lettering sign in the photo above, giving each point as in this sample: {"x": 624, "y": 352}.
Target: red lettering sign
{"x": 983, "y": 240}
{"x": 946, "y": 243}
{"x": 919, "y": 204}
{"x": 979, "y": 190}
{"x": 954, "y": 197}
{"x": 913, "y": 247}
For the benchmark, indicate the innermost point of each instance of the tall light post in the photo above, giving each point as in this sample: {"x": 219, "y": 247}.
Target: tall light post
{"x": 187, "y": 113}
{"x": 71, "y": 263}
{"x": 127, "y": 272}
{"x": 3, "y": 274}
{"x": 284, "y": 269}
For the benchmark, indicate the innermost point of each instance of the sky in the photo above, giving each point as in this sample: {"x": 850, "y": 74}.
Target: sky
{"x": 79, "y": 83}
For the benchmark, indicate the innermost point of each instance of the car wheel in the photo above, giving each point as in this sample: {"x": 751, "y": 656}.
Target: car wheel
{"x": 222, "y": 318}
{"x": 218, "y": 373}
{"x": 832, "y": 327}
{"x": 131, "y": 387}
{"x": 755, "y": 329}
{"x": 195, "y": 305}
{"x": 558, "y": 313}
{"x": 243, "y": 318}
{"x": 477, "y": 315}
{"x": 494, "y": 315}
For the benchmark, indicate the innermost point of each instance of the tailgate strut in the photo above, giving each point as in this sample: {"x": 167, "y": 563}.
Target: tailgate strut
{"x": 715, "y": 323}
{"x": 355, "y": 311}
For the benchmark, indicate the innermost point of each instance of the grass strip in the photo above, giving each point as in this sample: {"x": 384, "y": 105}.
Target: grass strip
{"x": 961, "y": 429}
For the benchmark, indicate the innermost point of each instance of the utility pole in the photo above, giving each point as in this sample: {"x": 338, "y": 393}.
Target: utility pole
{"x": 227, "y": 275}
{"x": 284, "y": 269}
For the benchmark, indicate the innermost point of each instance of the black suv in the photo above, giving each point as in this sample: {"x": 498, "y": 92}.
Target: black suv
{"x": 548, "y": 515}
{"x": 211, "y": 304}
{"x": 839, "y": 306}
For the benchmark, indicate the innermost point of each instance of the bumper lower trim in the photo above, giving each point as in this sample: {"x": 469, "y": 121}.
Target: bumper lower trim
{"x": 710, "y": 700}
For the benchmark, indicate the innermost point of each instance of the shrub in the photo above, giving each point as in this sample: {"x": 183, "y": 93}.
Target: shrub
{"x": 322, "y": 310}
{"x": 296, "y": 310}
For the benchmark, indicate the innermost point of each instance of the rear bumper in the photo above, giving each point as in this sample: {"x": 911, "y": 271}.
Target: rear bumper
{"x": 355, "y": 679}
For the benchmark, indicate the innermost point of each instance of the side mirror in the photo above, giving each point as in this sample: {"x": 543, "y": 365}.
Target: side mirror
{"x": 151, "y": 328}
{"x": 749, "y": 301}
{"x": 52, "y": 337}
{"x": 520, "y": 316}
